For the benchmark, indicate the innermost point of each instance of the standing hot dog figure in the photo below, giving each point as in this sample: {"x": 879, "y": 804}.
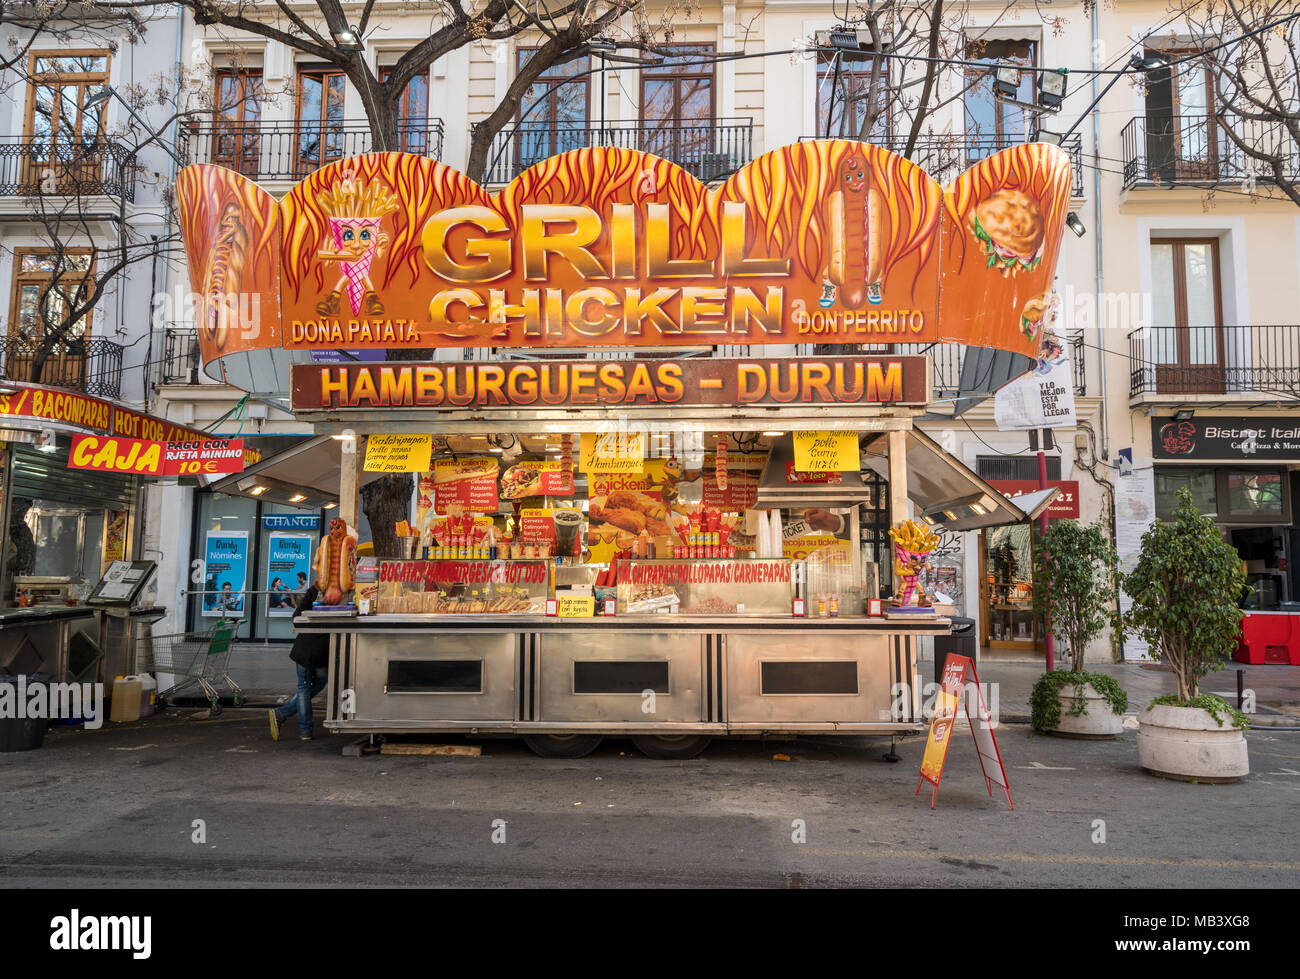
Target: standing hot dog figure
{"x": 336, "y": 563}
{"x": 855, "y": 227}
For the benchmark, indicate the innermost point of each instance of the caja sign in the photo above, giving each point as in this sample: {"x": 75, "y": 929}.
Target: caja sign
{"x": 604, "y": 246}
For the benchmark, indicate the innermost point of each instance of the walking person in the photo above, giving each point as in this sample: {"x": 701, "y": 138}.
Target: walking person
{"x": 310, "y": 654}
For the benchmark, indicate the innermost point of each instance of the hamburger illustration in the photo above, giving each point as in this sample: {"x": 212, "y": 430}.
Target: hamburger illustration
{"x": 520, "y": 481}
{"x": 1010, "y": 226}
{"x": 1033, "y": 315}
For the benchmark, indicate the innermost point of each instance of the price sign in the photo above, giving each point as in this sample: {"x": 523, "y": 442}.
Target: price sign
{"x": 576, "y": 606}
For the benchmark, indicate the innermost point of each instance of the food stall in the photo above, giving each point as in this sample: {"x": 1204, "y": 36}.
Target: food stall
{"x": 617, "y": 527}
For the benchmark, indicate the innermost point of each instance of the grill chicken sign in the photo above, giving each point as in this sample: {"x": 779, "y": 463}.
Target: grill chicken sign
{"x": 827, "y": 241}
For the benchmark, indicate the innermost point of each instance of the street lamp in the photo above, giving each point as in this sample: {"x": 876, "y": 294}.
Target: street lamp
{"x": 108, "y": 92}
{"x": 1136, "y": 63}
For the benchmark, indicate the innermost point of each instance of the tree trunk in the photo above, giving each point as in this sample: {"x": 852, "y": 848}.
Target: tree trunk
{"x": 386, "y": 502}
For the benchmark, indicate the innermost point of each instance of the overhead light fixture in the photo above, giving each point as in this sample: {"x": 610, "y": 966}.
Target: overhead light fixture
{"x": 774, "y": 434}
{"x": 98, "y": 97}
{"x": 329, "y": 506}
{"x": 257, "y": 490}
{"x": 928, "y": 519}
{"x": 1184, "y": 415}
{"x": 1051, "y": 88}
{"x": 297, "y": 497}
{"x": 1074, "y": 224}
{"x": 5, "y": 391}
{"x": 950, "y": 515}
{"x": 348, "y": 40}
{"x": 978, "y": 509}
{"x": 1043, "y": 136}
{"x": 844, "y": 39}
{"x": 599, "y": 44}
{"x": 1006, "y": 79}
{"x": 1149, "y": 62}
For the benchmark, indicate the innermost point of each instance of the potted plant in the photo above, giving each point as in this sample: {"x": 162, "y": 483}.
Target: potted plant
{"x": 1074, "y": 591}
{"x": 1184, "y": 589}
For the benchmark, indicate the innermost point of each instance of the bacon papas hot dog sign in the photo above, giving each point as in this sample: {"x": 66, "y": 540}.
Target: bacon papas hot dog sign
{"x": 833, "y": 241}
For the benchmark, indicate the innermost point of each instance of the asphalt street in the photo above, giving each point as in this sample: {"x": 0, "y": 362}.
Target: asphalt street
{"x": 118, "y": 807}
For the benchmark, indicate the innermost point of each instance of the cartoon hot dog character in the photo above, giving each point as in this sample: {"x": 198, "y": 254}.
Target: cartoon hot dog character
{"x": 1010, "y": 226}
{"x": 336, "y": 563}
{"x": 225, "y": 270}
{"x": 855, "y": 230}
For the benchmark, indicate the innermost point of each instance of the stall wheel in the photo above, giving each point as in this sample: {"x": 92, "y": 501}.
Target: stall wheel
{"x": 891, "y": 756}
{"x": 216, "y": 707}
{"x": 239, "y": 700}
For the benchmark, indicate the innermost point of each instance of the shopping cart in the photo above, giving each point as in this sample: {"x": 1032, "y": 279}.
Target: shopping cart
{"x": 194, "y": 659}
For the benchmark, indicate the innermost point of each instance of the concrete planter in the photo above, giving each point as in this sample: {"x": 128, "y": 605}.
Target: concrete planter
{"x": 1099, "y": 721}
{"x": 1187, "y": 743}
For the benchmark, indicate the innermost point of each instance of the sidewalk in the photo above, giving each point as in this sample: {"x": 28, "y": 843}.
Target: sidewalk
{"x": 1277, "y": 688}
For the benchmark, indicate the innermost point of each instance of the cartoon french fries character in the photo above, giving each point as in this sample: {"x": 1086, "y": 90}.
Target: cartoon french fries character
{"x": 354, "y": 212}
{"x": 855, "y": 231}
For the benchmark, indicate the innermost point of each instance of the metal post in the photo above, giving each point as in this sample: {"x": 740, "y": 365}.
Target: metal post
{"x": 1048, "y": 643}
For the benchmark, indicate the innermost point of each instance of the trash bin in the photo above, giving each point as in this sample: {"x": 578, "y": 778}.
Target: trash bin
{"x": 20, "y": 732}
{"x": 961, "y": 641}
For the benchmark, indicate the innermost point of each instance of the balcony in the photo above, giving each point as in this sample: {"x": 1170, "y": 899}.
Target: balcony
{"x": 267, "y": 151}
{"x": 180, "y": 363}
{"x": 1160, "y": 151}
{"x": 1232, "y": 363}
{"x": 711, "y": 149}
{"x": 31, "y": 167}
{"x": 92, "y": 366}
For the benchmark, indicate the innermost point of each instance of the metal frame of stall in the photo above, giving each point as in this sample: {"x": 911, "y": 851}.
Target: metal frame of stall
{"x": 523, "y": 697}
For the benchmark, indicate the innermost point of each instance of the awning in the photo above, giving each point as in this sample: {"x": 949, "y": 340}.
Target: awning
{"x": 949, "y": 494}
{"x": 308, "y": 471}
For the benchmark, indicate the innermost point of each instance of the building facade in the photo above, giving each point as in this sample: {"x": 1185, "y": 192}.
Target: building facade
{"x": 1178, "y": 302}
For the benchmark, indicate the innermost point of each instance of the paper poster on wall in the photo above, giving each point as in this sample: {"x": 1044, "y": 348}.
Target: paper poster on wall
{"x": 398, "y": 453}
{"x": 1135, "y": 512}
{"x": 466, "y": 485}
{"x": 821, "y": 452}
{"x": 288, "y": 571}
{"x": 225, "y": 557}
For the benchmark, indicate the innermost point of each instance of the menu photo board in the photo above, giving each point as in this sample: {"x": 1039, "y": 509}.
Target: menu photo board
{"x": 537, "y": 477}
{"x": 468, "y": 484}
{"x": 122, "y": 583}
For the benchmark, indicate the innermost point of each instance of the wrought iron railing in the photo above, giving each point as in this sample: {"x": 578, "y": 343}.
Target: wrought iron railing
{"x": 945, "y": 156}
{"x": 32, "y": 167}
{"x": 292, "y": 150}
{"x": 93, "y": 366}
{"x": 1177, "y": 360}
{"x": 1167, "y": 150}
{"x": 180, "y": 363}
{"x": 711, "y": 149}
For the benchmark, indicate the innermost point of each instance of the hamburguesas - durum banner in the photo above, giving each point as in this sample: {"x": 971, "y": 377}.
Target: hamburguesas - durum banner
{"x": 827, "y": 241}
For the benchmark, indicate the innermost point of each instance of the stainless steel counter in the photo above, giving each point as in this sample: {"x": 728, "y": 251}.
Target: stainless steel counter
{"x": 626, "y": 674}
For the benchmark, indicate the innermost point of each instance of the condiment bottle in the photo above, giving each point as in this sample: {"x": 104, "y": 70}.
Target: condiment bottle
{"x": 835, "y": 605}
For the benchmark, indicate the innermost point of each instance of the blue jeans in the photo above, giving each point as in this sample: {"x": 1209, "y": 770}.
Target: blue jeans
{"x": 310, "y": 682}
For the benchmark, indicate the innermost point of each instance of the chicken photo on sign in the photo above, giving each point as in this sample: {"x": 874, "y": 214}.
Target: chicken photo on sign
{"x": 623, "y": 507}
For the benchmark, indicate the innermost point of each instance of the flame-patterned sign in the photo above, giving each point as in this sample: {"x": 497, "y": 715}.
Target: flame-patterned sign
{"x": 829, "y": 241}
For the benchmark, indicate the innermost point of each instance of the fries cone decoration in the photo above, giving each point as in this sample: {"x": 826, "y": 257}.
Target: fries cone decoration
{"x": 912, "y": 546}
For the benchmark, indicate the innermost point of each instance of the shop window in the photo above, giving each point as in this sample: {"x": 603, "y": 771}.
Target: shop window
{"x": 320, "y": 118}
{"x": 557, "y": 107}
{"x": 413, "y": 123}
{"x": 991, "y": 123}
{"x": 237, "y": 105}
{"x": 1007, "y": 588}
{"x": 844, "y": 99}
{"x": 677, "y": 107}
{"x": 1254, "y": 494}
{"x": 1201, "y": 482}
{"x": 65, "y": 134}
{"x": 42, "y": 345}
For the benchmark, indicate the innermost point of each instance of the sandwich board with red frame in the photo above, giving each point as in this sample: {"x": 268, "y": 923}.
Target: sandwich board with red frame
{"x": 956, "y": 671}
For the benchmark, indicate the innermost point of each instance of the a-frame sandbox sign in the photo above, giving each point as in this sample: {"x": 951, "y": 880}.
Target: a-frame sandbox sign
{"x": 956, "y": 671}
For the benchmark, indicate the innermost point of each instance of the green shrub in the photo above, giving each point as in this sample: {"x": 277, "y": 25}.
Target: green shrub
{"x": 1045, "y": 708}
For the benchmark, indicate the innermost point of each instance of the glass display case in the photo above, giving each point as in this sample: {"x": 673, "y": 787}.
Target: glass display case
{"x": 739, "y": 587}
{"x": 464, "y": 587}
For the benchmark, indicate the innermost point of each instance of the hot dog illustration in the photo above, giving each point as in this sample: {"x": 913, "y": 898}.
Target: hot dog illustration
{"x": 855, "y": 231}
{"x": 225, "y": 272}
{"x": 336, "y": 563}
